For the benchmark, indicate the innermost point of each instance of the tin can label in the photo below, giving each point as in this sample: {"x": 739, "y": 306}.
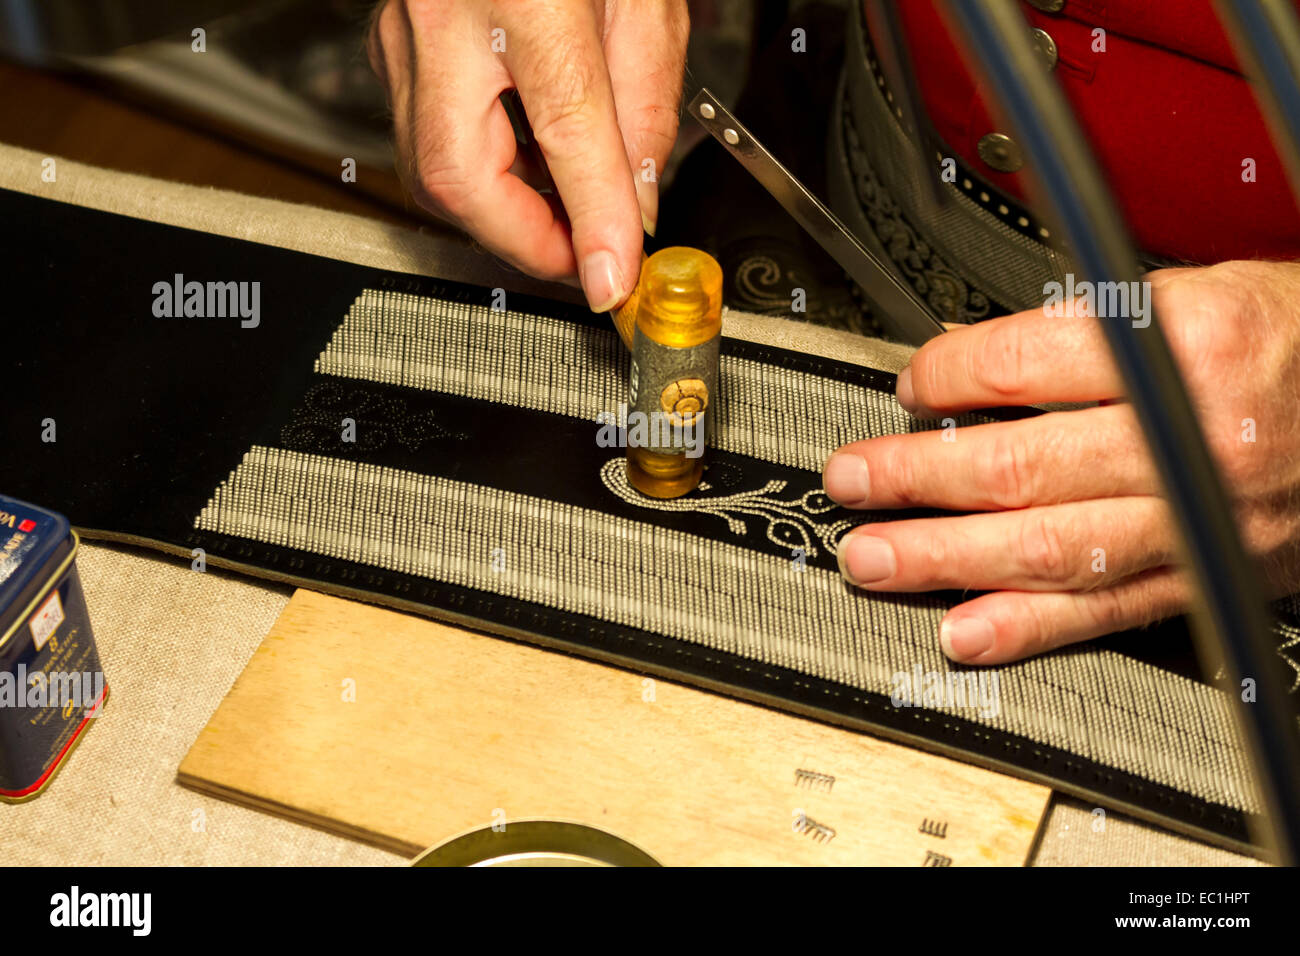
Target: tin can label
{"x": 51, "y": 687}
{"x": 672, "y": 395}
{"x": 46, "y": 620}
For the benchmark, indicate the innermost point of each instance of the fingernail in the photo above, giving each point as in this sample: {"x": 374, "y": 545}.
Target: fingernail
{"x": 965, "y": 638}
{"x": 647, "y": 197}
{"x": 602, "y": 281}
{"x": 846, "y": 480}
{"x": 906, "y": 397}
{"x": 866, "y": 560}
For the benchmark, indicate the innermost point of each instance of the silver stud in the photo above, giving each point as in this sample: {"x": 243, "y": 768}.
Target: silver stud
{"x": 1046, "y": 48}
{"x": 707, "y": 110}
{"x": 731, "y": 136}
{"x": 1001, "y": 152}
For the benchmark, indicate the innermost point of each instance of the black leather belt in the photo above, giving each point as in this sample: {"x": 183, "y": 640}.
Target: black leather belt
{"x": 979, "y": 254}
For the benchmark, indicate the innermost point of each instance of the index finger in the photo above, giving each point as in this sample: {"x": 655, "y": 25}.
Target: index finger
{"x": 1023, "y": 359}
{"x": 455, "y": 144}
{"x": 564, "y": 84}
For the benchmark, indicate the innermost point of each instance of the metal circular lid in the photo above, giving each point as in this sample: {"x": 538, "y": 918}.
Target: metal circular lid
{"x": 536, "y": 843}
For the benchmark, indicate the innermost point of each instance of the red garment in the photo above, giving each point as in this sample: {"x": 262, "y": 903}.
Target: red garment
{"x": 1168, "y": 116}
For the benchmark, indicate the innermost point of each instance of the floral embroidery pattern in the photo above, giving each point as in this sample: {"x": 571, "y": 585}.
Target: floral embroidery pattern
{"x": 1288, "y": 627}
{"x": 1292, "y": 640}
{"x": 317, "y": 423}
{"x": 951, "y": 297}
{"x": 759, "y": 281}
{"x": 790, "y": 522}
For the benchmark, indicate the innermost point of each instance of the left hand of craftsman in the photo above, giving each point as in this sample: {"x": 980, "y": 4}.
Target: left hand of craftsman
{"x": 1072, "y": 537}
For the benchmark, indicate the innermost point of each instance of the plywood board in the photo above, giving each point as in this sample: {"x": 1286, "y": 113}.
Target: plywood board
{"x": 404, "y": 732}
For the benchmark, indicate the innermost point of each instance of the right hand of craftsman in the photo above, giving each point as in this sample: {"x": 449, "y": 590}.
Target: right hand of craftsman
{"x": 600, "y": 81}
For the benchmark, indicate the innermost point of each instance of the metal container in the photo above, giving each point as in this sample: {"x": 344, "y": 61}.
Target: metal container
{"x": 536, "y": 843}
{"x": 51, "y": 682}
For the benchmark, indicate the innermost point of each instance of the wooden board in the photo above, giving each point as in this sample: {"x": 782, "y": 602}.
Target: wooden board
{"x": 451, "y": 730}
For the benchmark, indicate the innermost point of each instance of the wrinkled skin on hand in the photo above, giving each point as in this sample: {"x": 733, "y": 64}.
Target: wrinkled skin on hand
{"x": 600, "y": 81}
{"x": 1072, "y": 536}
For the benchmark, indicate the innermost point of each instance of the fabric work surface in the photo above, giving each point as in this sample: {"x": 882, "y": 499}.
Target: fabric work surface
{"x": 475, "y": 492}
{"x": 174, "y": 641}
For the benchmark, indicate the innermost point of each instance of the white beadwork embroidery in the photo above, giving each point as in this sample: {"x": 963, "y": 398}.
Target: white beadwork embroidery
{"x": 784, "y": 517}
{"x": 546, "y": 364}
{"x": 1099, "y": 705}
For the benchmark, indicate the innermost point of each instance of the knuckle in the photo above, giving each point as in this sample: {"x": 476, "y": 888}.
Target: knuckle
{"x": 1240, "y": 466}
{"x": 900, "y": 470}
{"x": 1026, "y": 626}
{"x": 932, "y": 561}
{"x": 1206, "y": 315}
{"x": 562, "y": 126}
{"x": 1267, "y": 533}
{"x": 1248, "y": 467}
{"x": 1042, "y": 630}
{"x": 1110, "y": 609}
{"x": 561, "y": 119}
{"x": 1233, "y": 279}
{"x": 1007, "y": 472}
{"x": 998, "y": 364}
{"x": 1042, "y": 549}
{"x": 927, "y": 374}
{"x": 441, "y": 186}
{"x": 1221, "y": 337}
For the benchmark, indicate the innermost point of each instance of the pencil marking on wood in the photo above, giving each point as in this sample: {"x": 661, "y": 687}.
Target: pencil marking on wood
{"x": 812, "y": 780}
{"x": 934, "y": 828}
{"x": 818, "y": 831}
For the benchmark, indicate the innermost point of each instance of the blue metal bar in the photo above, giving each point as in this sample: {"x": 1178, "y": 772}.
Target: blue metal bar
{"x": 1233, "y": 606}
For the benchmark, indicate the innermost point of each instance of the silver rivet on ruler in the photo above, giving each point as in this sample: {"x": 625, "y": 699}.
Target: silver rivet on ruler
{"x": 707, "y": 110}
{"x": 731, "y": 136}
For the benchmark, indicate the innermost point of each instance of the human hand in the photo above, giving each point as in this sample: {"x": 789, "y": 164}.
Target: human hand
{"x": 600, "y": 81}
{"x": 1072, "y": 537}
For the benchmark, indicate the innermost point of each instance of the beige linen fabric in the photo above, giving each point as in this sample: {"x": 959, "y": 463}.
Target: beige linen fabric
{"x": 173, "y": 640}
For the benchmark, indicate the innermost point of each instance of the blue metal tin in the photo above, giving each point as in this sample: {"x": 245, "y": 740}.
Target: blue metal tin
{"x": 51, "y": 682}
